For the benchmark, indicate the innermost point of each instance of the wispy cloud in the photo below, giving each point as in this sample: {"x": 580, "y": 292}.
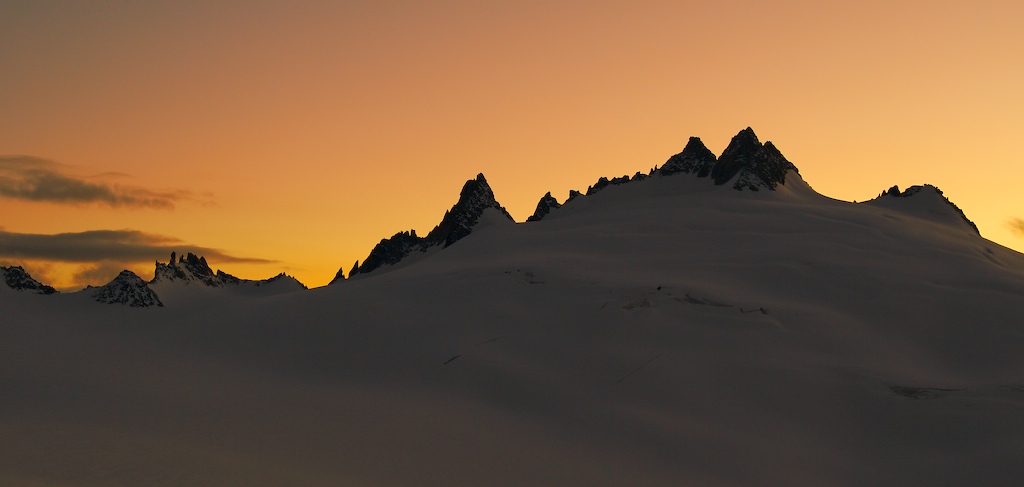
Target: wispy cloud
{"x": 109, "y": 246}
{"x": 36, "y": 179}
{"x": 1017, "y": 226}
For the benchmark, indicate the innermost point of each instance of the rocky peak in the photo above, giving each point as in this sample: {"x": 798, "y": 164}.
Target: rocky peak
{"x": 127, "y": 289}
{"x": 338, "y": 276}
{"x": 767, "y": 169}
{"x": 755, "y": 166}
{"x": 188, "y": 268}
{"x": 694, "y": 159}
{"x": 16, "y": 278}
{"x": 390, "y": 251}
{"x": 738, "y": 155}
{"x": 476, "y": 196}
{"x": 544, "y": 206}
{"x": 458, "y": 222}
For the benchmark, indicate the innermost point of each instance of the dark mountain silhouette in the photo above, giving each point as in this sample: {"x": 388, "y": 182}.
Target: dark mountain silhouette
{"x": 458, "y": 222}
{"x": 16, "y": 278}
{"x": 694, "y": 159}
{"x": 127, "y": 289}
{"x": 544, "y": 206}
{"x": 746, "y": 161}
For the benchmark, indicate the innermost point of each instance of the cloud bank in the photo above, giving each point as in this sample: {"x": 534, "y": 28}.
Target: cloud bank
{"x": 111, "y": 246}
{"x": 41, "y": 180}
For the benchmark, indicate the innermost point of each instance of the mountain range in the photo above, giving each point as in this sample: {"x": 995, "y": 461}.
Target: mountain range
{"x": 714, "y": 321}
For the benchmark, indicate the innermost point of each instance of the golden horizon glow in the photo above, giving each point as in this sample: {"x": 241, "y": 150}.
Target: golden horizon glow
{"x": 304, "y": 133}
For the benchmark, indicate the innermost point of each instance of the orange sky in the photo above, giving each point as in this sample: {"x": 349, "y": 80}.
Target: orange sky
{"x": 301, "y": 133}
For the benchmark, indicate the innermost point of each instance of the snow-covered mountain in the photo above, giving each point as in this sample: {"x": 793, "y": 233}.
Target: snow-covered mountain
{"x": 665, "y": 330}
{"x": 189, "y": 280}
{"x": 127, "y": 289}
{"x": 476, "y": 205}
{"x": 17, "y": 279}
{"x": 188, "y": 269}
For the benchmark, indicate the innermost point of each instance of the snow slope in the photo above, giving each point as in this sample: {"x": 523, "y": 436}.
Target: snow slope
{"x": 662, "y": 332}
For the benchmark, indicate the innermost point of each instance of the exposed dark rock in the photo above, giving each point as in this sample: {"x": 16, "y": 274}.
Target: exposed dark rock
{"x": 894, "y": 192}
{"x": 338, "y": 277}
{"x": 736, "y": 156}
{"x": 544, "y": 206}
{"x": 280, "y": 277}
{"x": 458, "y": 222}
{"x": 127, "y": 289}
{"x": 392, "y": 250}
{"x": 768, "y": 169}
{"x": 189, "y": 268}
{"x": 573, "y": 194}
{"x": 19, "y": 280}
{"x": 229, "y": 279}
{"x": 476, "y": 196}
{"x": 604, "y": 182}
{"x": 694, "y": 159}
{"x": 755, "y": 166}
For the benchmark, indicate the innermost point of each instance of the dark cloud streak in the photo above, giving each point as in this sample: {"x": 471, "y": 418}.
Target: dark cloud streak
{"x": 1017, "y": 226}
{"x": 31, "y": 178}
{"x": 125, "y": 246}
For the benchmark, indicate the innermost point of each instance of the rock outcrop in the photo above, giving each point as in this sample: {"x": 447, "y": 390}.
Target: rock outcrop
{"x": 753, "y": 165}
{"x": 746, "y": 161}
{"x": 16, "y": 278}
{"x": 126, "y": 289}
{"x": 189, "y": 269}
{"x": 925, "y": 200}
{"x": 544, "y": 206}
{"x": 604, "y": 182}
{"x": 475, "y": 198}
{"x": 230, "y": 280}
{"x": 694, "y": 159}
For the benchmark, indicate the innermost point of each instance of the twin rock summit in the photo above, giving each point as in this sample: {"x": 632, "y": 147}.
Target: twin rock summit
{"x": 746, "y": 164}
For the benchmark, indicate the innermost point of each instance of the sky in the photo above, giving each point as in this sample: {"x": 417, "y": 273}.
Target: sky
{"x": 293, "y": 136}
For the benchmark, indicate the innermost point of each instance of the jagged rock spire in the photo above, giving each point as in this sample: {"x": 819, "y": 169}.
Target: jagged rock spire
{"x": 191, "y": 268}
{"x": 338, "y": 276}
{"x": 694, "y": 159}
{"x": 458, "y": 222}
{"x": 544, "y": 206}
{"x": 476, "y": 196}
{"x": 188, "y": 268}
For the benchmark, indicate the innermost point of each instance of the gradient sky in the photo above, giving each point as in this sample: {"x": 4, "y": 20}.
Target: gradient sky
{"x": 292, "y": 136}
